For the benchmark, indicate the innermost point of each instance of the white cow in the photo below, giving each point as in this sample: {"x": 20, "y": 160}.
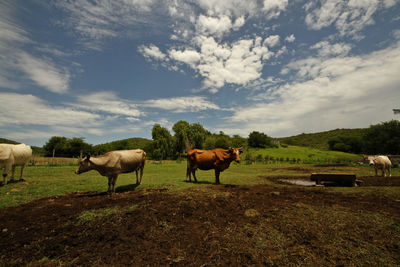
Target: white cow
{"x": 380, "y": 162}
{"x": 113, "y": 163}
{"x": 12, "y": 156}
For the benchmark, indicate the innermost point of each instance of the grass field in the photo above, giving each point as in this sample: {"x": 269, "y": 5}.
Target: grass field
{"x": 44, "y": 181}
{"x": 249, "y": 220}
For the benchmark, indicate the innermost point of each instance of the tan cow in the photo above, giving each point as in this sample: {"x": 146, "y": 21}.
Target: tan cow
{"x": 218, "y": 159}
{"x": 113, "y": 163}
{"x": 12, "y": 156}
{"x": 380, "y": 162}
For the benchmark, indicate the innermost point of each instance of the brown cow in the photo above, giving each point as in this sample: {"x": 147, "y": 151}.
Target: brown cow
{"x": 113, "y": 163}
{"x": 218, "y": 159}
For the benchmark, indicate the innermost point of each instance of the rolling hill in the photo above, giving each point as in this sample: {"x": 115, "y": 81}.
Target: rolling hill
{"x": 320, "y": 140}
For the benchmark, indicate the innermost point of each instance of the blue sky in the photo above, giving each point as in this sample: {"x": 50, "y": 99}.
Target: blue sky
{"x": 108, "y": 70}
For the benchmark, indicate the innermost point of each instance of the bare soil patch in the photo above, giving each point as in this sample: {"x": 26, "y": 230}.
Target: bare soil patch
{"x": 213, "y": 225}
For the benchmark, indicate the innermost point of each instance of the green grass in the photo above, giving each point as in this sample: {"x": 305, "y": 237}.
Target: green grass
{"x": 45, "y": 181}
{"x": 305, "y": 154}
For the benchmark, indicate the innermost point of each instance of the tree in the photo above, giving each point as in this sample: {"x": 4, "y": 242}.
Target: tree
{"x": 182, "y": 136}
{"x": 76, "y": 146}
{"x": 345, "y": 144}
{"x": 261, "y": 140}
{"x": 56, "y": 146}
{"x": 162, "y": 142}
{"x": 383, "y": 138}
{"x": 197, "y": 135}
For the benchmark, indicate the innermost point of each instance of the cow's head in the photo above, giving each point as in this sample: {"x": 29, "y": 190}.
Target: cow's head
{"x": 371, "y": 160}
{"x": 235, "y": 153}
{"x": 84, "y": 165}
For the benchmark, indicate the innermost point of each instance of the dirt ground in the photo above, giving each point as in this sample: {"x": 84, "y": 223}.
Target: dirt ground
{"x": 206, "y": 226}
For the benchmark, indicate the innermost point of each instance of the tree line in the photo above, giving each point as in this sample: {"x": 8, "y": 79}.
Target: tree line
{"x": 163, "y": 145}
{"x": 383, "y": 138}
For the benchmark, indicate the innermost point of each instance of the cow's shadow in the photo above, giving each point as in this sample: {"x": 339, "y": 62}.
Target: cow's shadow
{"x": 199, "y": 182}
{"x": 125, "y": 188}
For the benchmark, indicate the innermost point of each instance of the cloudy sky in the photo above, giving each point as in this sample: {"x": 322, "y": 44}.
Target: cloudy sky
{"x": 107, "y": 69}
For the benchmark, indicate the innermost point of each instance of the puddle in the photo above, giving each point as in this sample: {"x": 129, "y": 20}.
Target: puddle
{"x": 297, "y": 182}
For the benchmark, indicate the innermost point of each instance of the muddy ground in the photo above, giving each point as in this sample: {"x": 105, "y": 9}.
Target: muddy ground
{"x": 206, "y": 226}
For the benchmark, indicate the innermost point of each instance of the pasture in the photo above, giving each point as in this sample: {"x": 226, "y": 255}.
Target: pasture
{"x": 59, "y": 218}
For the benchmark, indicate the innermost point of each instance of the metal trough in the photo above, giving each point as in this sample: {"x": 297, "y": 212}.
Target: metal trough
{"x": 343, "y": 179}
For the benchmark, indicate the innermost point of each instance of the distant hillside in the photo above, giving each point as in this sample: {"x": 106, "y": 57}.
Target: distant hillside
{"x": 130, "y": 143}
{"x": 6, "y": 141}
{"x": 320, "y": 140}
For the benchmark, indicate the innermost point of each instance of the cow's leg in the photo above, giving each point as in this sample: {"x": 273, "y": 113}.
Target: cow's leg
{"x": 6, "y": 170}
{"x": 376, "y": 171}
{"x": 12, "y": 173}
{"x": 188, "y": 173}
{"x": 21, "y": 178}
{"x": 383, "y": 172}
{"x": 141, "y": 173}
{"x": 109, "y": 184}
{"x": 217, "y": 176}
{"x": 390, "y": 172}
{"x": 114, "y": 180}
{"x": 137, "y": 176}
{"x": 194, "y": 175}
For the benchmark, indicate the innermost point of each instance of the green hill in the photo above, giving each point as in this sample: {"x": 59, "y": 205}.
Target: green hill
{"x": 130, "y": 143}
{"x": 320, "y": 140}
{"x": 7, "y": 141}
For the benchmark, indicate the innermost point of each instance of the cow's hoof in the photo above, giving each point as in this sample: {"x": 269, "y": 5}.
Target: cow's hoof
{"x": 22, "y": 180}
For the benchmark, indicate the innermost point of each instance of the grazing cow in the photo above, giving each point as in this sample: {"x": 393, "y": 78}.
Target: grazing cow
{"x": 113, "y": 163}
{"x": 218, "y": 159}
{"x": 380, "y": 162}
{"x": 12, "y": 156}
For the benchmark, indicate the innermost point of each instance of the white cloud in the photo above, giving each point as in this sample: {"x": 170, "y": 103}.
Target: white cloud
{"x": 44, "y": 73}
{"x": 290, "y": 38}
{"x": 151, "y": 51}
{"x": 190, "y": 57}
{"x": 108, "y": 102}
{"x": 349, "y": 17}
{"x": 26, "y": 109}
{"x": 364, "y": 93}
{"x": 272, "y": 40}
{"x": 214, "y": 26}
{"x": 93, "y": 21}
{"x": 220, "y": 64}
{"x": 181, "y": 104}
{"x": 273, "y": 8}
{"x": 326, "y": 49}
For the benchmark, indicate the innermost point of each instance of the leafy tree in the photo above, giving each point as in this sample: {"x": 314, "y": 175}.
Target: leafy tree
{"x": 345, "y": 144}
{"x": 257, "y": 139}
{"x": 162, "y": 142}
{"x": 383, "y": 138}
{"x": 56, "y": 145}
{"x": 182, "y": 136}
{"x": 197, "y": 135}
{"x": 76, "y": 146}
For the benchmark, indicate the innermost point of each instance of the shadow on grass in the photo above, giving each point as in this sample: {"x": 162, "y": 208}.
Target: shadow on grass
{"x": 198, "y": 182}
{"x": 125, "y": 188}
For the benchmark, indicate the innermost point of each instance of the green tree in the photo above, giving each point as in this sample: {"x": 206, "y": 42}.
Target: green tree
{"x": 76, "y": 146}
{"x": 162, "y": 142}
{"x": 197, "y": 135}
{"x": 56, "y": 146}
{"x": 383, "y": 138}
{"x": 182, "y": 136}
{"x": 261, "y": 140}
